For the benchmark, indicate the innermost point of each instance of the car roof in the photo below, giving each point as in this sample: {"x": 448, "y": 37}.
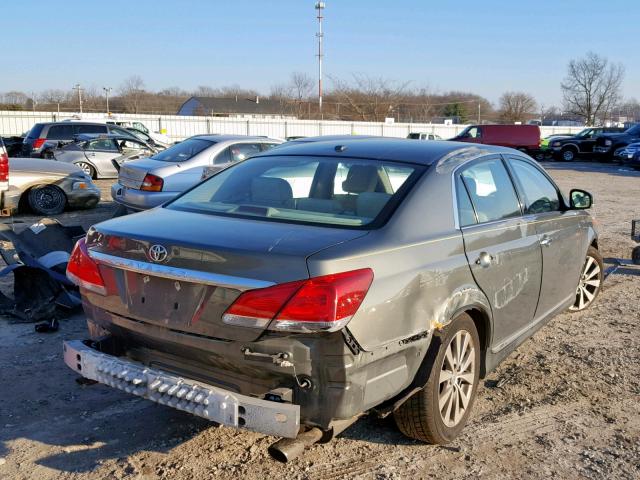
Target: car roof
{"x": 93, "y": 136}
{"x": 224, "y": 138}
{"x": 382, "y": 148}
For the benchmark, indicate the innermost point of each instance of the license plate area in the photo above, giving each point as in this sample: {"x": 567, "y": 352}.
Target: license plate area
{"x": 166, "y": 302}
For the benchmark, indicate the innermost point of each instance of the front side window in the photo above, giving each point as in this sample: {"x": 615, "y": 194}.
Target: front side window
{"x": 317, "y": 190}
{"x": 471, "y": 132}
{"x": 540, "y": 195}
{"x": 491, "y": 191}
{"x": 183, "y": 151}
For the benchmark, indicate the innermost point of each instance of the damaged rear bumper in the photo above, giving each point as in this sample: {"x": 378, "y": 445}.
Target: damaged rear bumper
{"x": 207, "y": 401}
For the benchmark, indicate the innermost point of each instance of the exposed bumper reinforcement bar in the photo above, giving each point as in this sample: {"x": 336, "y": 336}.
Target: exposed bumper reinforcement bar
{"x": 207, "y": 401}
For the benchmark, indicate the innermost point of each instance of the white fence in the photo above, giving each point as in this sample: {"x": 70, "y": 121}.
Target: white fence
{"x": 181, "y": 127}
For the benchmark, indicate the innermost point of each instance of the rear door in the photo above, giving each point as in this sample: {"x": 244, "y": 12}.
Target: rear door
{"x": 99, "y": 153}
{"x": 563, "y": 235}
{"x": 502, "y": 249}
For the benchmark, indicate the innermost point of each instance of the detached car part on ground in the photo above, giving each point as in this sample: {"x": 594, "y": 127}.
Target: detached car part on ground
{"x": 295, "y": 291}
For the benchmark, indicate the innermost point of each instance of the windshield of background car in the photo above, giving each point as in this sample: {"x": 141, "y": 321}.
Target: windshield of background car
{"x": 183, "y": 151}
{"x": 635, "y": 130}
{"x": 351, "y": 193}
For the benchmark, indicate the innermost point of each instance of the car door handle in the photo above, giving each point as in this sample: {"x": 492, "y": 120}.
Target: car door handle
{"x": 484, "y": 260}
{"x": 546, "y": 241}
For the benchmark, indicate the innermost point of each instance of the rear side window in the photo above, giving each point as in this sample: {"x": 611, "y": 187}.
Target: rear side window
{"x": 104, "y": 144}
{"x": 92, "y": 129}
{"x": 491, "y": 191}
{"x": 242, "y": 151}
{"x": 183, "y": 151}
{"x": 35, "y": 131}
{"x": 60, "y": 132}
{"x": 540, "y": 195}
{"x": 467, "y": 215}
{"x": 315, "y": 190}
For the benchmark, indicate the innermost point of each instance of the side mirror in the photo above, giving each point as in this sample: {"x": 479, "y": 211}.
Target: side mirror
{"x": 580, "y": 199}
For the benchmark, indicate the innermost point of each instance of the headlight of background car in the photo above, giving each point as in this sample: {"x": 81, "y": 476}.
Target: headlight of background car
{"x": 608, "y": 143}
{"x": 555, "y": 144}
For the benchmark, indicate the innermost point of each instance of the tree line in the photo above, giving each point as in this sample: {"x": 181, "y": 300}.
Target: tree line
{"x": 591, "y": 93}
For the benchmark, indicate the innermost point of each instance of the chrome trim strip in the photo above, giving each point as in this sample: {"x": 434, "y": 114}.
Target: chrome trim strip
{"x": 180, "y": 274}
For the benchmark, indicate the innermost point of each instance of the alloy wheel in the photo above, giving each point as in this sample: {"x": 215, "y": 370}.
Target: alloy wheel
{"x": 588, "y": 286}
{"x": 456, "y": 381}
{"x": 86, "y": 168}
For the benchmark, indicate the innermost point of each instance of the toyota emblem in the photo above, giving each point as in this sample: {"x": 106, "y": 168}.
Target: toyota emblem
{"x": 157, "y": 253}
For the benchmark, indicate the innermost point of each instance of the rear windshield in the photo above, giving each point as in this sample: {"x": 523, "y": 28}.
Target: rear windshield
{"x": 351, "y": 193}
{"x": 183, "y": 151}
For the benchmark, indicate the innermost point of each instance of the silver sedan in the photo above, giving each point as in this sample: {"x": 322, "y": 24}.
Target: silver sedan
{"x": 94, "y": 153}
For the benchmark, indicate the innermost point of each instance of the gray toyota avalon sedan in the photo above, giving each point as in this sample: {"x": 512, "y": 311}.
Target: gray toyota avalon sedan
{"x": 299, "y": 289}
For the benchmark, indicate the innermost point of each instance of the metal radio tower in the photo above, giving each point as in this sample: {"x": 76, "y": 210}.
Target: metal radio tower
{"x": 320, "y": 7}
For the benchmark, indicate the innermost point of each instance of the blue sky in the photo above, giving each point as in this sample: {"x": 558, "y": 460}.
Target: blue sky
{"x": 483, "y": 46}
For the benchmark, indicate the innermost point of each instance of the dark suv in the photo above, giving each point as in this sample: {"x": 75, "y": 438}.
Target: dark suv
{"x": 582, "y": 143}
{"x": 49, "y": 132}
{"x": 607, "y": 145}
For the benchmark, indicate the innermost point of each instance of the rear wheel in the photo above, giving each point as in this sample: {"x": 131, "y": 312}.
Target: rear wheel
{"x": 591, "y": 280}
{"x": 47, "y": 199}
{"x": 438, "y": 413}
{"x": 86, "y": 168}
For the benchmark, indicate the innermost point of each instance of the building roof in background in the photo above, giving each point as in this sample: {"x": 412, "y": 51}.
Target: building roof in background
{"x": 216, "y": 105}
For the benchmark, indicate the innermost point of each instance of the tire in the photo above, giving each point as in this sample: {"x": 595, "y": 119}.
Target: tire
{"x": 47, "y": 199}
{"x": 420, "y": 417}
{"x": 590, "y": 283}
{"x": 87, "y": 168}
{"x": 568, "y": 154}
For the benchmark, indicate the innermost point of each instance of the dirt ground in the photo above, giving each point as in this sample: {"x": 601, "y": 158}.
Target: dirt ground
{"x": 565, "y": 405}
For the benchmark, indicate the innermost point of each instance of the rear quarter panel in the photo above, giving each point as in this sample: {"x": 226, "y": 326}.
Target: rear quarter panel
{"x": 421, "y": 274}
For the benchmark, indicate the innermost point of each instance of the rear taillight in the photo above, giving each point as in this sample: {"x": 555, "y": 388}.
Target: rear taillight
{"x": 38, "y": 142}
{"x": 324, "y": 303}
{"x": 4, "y": 165}
{"x": 152, "y": 183}
{"x": 83, "y": 271}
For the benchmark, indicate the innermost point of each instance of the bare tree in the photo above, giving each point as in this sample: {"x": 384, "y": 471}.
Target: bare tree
{"x": 592, "y": 87}
{"x": 131, "y": 91}
{"x": 15, "y": 97}
{"x": 516, "y": 107}
{"x": 370, "y": 98}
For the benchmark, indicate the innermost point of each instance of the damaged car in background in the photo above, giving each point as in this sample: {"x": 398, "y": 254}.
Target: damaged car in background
{"x": 295, "y": 291}
{"x": 95, "y": 153}
{"x": 46, "y": 187}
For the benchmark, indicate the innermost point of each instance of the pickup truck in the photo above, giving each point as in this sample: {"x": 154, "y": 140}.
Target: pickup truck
{"x": 607, "y": 144}
{"x": 569, "y": 148}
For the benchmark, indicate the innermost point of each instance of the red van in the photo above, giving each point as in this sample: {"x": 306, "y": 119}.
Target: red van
{"x": 520, "y": 137}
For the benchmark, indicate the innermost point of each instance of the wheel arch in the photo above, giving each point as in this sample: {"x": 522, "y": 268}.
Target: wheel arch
{"x": 95, "y": 175}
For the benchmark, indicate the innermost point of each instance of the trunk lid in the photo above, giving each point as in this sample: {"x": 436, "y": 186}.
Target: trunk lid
{"x": 210, "y": 260}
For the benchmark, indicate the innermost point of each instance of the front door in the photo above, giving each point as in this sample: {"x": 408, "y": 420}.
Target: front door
{"x": 502, "y": 249}
{"x": 563, "y": 234}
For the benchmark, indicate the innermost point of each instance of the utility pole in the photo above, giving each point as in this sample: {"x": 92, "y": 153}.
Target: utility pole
{"x": 79, "y": 89}
{"x": 107, "y": 90}
{"x": 478, "y": 113}
{"x": 320, "y": 7}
